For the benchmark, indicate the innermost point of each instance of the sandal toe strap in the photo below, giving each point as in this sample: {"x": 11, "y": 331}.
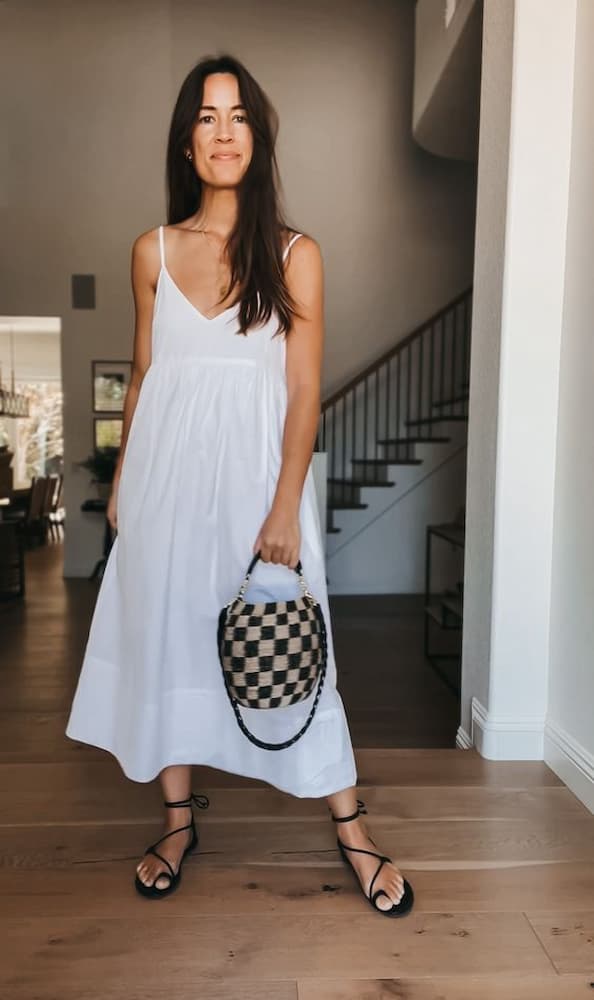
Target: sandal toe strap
{"x": 376, "y": 895}
{"x": 377, "y": 871}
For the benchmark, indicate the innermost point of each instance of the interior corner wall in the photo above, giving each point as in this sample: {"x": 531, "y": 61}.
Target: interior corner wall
{"x": 513, "y": 681}
{"x": 498, "y": 17}
{"x": 569, "y": 732}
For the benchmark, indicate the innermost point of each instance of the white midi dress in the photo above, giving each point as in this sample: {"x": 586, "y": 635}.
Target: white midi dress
{"x": 198, "y": 478}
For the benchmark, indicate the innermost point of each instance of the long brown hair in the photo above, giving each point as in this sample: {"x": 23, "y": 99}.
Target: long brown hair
{"x": 255, "y": 243}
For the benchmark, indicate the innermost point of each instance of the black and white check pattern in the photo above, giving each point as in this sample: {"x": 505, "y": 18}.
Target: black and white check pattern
{"x": 271, "y": 652}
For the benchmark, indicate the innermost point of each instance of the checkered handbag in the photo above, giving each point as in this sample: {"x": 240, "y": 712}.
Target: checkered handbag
{"x": 272, "y": 653}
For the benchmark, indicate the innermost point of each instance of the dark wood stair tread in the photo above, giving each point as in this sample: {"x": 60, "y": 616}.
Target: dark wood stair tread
{"x": 362, "y": 482}
{"x": 414, "y": 440}
{"x": 346, "y": 506}
{"x": 435, "y": 420}
{"x": 388, "y": 461}
{"x": 453, "y": 399}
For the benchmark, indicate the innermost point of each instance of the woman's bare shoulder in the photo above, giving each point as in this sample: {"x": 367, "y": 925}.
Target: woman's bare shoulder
{"x": 146, "y": 243}
{"x": 146, "y": 259}
{"x": 308, "y": 246}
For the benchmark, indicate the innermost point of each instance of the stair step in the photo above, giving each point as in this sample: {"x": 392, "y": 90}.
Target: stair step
{"x": 414, "y": 440}
{"x": 435, "y": 420}
{"x": 347, "y": 506}
{"x": 453, "y": 399}
{"x": 362, "y": 482}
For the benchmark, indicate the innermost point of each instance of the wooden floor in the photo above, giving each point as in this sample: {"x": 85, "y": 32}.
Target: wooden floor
{"x": 501, "y": 855}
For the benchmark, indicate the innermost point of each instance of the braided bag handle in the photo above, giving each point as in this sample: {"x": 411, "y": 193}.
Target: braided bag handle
{"x": 322, "y": 673}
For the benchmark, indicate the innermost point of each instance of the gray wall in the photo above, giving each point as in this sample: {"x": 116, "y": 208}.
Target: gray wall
{"x": 87, "y": 92}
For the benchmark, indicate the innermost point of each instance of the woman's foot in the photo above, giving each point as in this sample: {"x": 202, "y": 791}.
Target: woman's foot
{"x": 354, "y": 834}
{"x": 172, "y": 848}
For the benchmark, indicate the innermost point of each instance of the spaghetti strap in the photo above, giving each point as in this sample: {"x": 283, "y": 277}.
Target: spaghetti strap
{"x": 161, "y": 246}
{"x": 290, "y": 244}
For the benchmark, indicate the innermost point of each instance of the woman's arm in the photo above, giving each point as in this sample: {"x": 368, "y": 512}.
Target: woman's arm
{"x": 279, "y": 538}
{"x": 144, "y": 273}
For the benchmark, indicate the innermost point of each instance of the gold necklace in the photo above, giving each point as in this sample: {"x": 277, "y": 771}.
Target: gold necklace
{"x": 222, "y": 282}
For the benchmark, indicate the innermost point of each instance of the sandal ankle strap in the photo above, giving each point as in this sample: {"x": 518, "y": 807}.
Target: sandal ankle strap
{"x": 346, "y": 819}
{"x": 201, "y": 801}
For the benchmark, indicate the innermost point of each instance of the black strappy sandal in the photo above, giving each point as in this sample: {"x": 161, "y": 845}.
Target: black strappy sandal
{"x": 406, "y": 902}
{"x": 174, "y": 876}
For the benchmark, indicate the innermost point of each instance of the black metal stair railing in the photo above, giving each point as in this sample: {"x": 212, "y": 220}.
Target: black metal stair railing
{"x": 375, "y": 420}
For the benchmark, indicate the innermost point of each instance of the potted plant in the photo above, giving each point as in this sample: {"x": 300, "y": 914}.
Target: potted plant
{"x": 101, "y": 463}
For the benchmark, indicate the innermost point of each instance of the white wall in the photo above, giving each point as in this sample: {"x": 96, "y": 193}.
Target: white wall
{"x": 510, "y": 696}
{"x": 540, "y": 136}
{"x": 85, "y": 167}
{"x": 528, "y": 685}
{"x": 381, "y": 550}
{"x": 492, "y": 196}
{"x": 569, "y": 743}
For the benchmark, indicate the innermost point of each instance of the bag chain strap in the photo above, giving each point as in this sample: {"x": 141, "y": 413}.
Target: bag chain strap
{"x": 287, "y": 743}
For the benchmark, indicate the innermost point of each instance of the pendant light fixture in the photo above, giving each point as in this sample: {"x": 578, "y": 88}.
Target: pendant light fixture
{"x": 12, "y": 403}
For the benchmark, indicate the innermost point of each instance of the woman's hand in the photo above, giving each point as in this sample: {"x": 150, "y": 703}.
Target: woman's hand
{"x": 112, "y": 506}
{"x": 279, "y": 539}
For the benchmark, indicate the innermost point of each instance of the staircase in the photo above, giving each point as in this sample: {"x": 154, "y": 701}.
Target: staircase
{"x": 404, "y": 398}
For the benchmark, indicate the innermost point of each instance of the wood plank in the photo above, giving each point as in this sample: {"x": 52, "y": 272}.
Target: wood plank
{"x": 189, "y": 949}
{"x": 450, "y": 988}
{"x": 483, "y": 842}
{"x": 568, "y": 939}
{"x": 38, "y": 736}
{"x": 404, "y": 766}
{"x": 82, "y": 791}
{"x": 125, "y": 989}
{"x": 306, "y": 843}
{"x": 98, "y": 889}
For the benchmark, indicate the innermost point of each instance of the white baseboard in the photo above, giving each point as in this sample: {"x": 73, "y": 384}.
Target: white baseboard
{"x": 506, "y": 738}
{"x": 534, "y": 739}
{"x": 571, "y": 762}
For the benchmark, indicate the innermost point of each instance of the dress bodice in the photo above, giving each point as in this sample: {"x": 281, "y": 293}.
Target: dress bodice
{"x": 182, "y": 334}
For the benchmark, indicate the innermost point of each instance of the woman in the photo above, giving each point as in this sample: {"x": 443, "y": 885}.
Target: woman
{"x": 220, "y": 421}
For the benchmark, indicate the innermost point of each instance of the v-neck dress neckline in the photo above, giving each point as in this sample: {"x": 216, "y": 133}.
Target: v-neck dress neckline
{"x": 207, "y": 319}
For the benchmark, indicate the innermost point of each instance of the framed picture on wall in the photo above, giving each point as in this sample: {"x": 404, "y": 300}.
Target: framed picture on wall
{"x": 107, "y": 432}
{"x": 110, "y": 384}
